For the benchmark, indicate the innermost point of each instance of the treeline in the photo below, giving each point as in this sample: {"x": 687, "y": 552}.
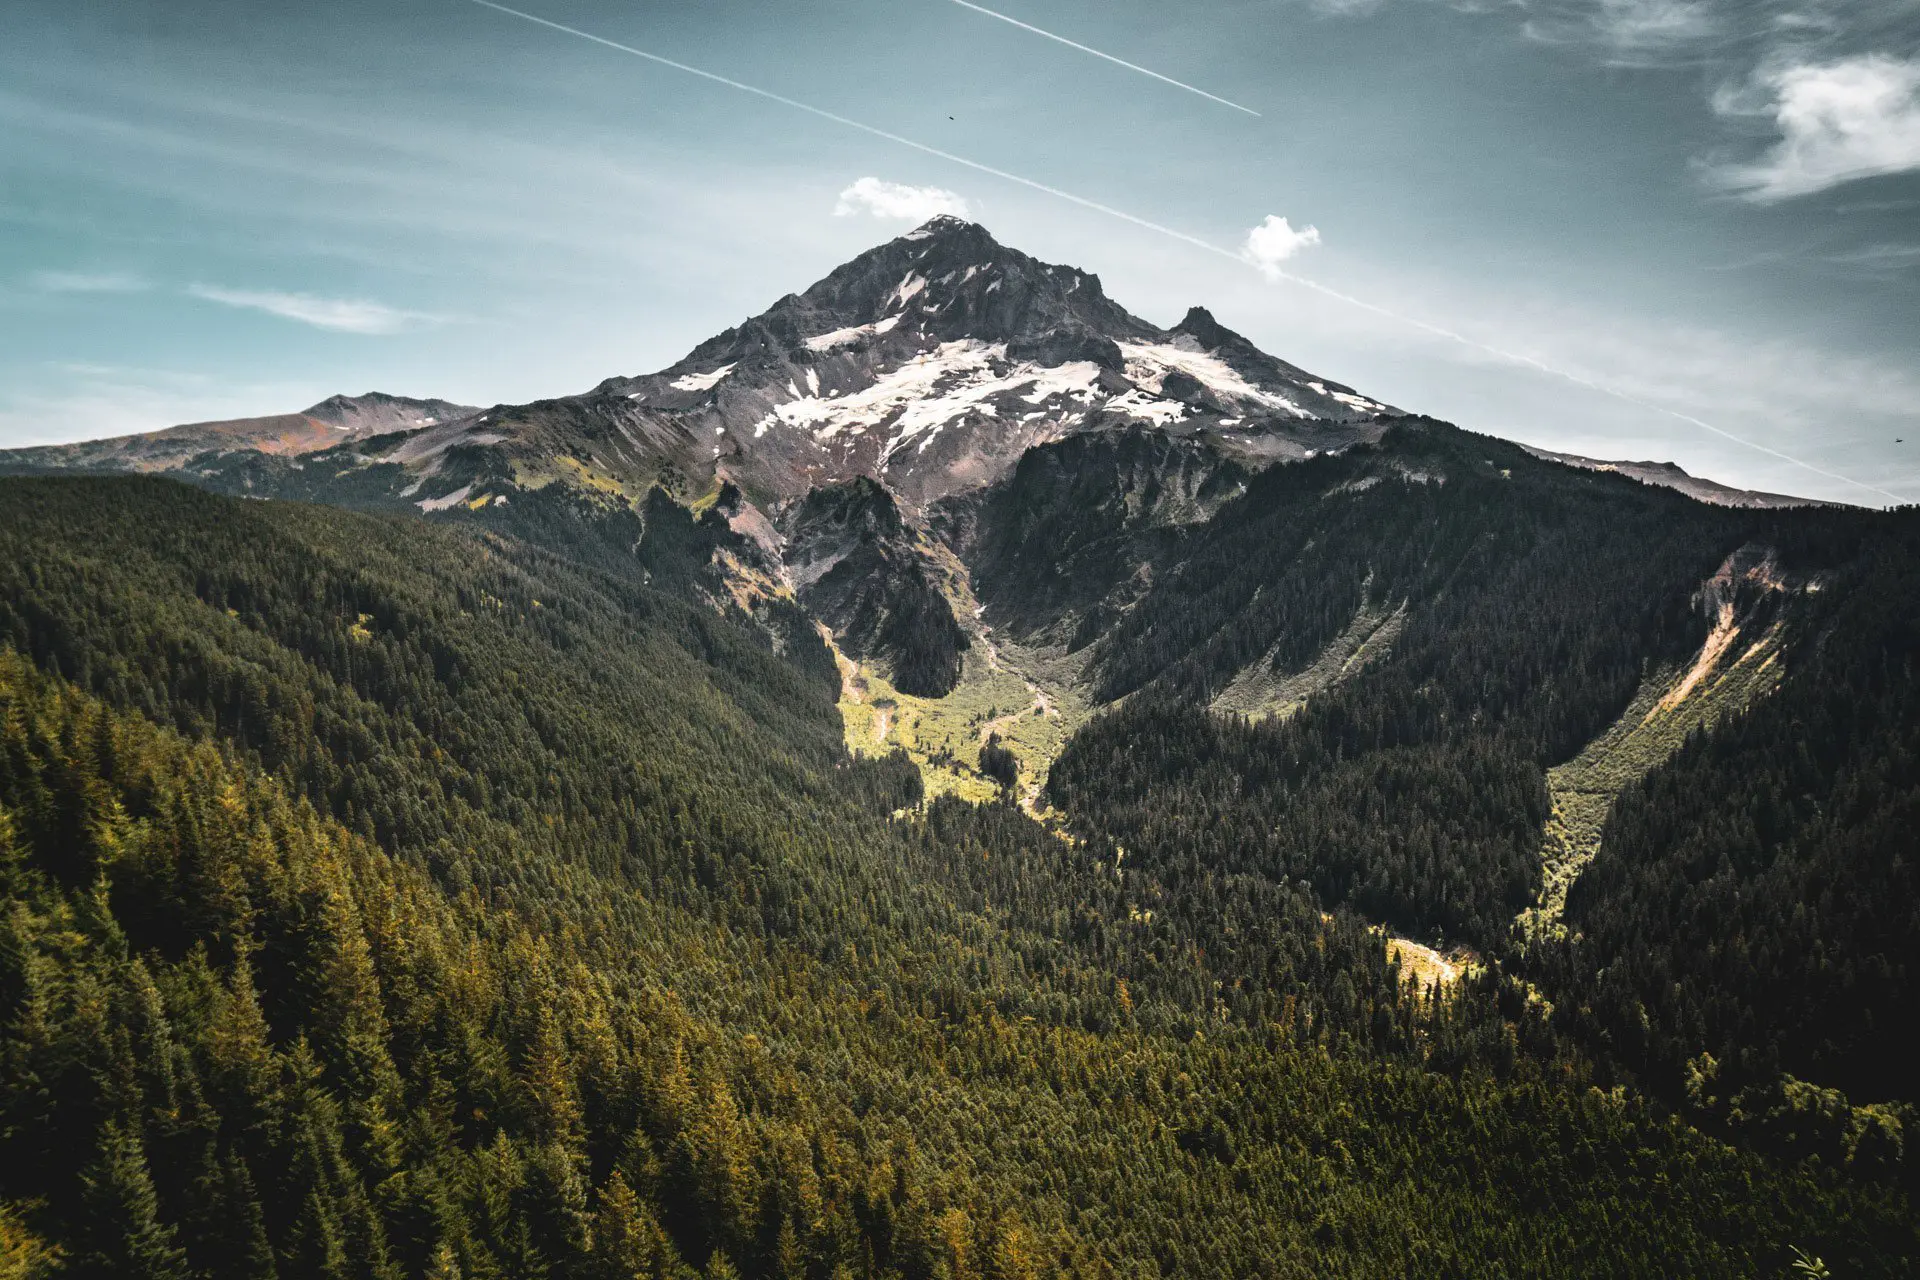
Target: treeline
{"x": 1440, "y": 842}
{"x": 242, "y": 1042}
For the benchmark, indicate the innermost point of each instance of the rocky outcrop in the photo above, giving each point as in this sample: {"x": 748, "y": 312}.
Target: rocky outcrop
{"x": 855, "y": 564}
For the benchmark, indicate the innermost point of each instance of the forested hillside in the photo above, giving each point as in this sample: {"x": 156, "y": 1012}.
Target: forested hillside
{"x": 1535, "y": 599}
{"x": 1773, "y": 926}
{"x": 1742, "y": 945}
{"x": 390, "y": 898}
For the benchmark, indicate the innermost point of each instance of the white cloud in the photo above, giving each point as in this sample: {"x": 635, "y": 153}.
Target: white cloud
{"x": 897, "y": 200}
{"x": 87, "y": 282}
{"x": 1838, "y": 121}
{"x": 1274, "y": 241}
{"x": 345, "y": 315}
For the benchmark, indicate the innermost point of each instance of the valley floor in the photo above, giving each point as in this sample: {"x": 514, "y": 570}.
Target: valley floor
{"x": 1028, "y": 697}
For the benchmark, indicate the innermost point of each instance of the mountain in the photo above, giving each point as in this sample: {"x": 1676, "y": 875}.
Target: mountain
{"x": 931, "y": 363}
{"x": 935, "y": 361}
{"x": 950, "y": 779}
{"x": 928, "y": 366}
{"x": 332, "y": 422}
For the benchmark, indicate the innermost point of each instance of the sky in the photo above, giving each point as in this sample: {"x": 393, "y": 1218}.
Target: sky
{"x": 1682, "y": 230}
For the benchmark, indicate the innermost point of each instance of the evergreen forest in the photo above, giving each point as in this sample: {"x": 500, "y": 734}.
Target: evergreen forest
{"x": 495, "y": 896}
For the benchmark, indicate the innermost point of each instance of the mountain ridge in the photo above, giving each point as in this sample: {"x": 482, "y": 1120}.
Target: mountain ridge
{"x": 1671, "y": 475}
{"x": 336, "y": 420}
{"x": 931, "y": 361}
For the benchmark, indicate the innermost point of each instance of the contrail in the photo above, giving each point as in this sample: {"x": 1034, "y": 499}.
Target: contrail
{"x": 1184, "y": 238}
{"x": 1119, "y": 62}
{"x": 823, "y": 114}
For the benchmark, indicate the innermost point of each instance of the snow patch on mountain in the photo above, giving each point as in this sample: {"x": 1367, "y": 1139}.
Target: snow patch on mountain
{"x": 1148, "y": 364}
{"x": 908, "y": 289}
{"x": 701, "y": 381}
{"x": 1350, "y": 400}
{"x": 933, "y": 389}
{"x": 841, "y": 337}
{"x": 1139, "y": 404}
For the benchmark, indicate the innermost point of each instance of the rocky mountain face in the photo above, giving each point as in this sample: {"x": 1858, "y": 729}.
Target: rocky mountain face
{"x": 858, "y": 567}
{"x": 376, "y": 413}
{"x": 935, "y": 361}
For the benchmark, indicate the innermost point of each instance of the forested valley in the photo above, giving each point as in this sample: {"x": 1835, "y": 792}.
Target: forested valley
{"x": 494, "y": 898}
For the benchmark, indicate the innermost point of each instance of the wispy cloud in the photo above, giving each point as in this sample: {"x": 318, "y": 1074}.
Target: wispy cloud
{"x": 342, "y": 315}
{"x": 897, "y": 200}
{"x": 1633, "y": 24}
{"x": 1627, "y": 31}
{"x": 1274, "y": 241}
{"x": 1879, "y": 258}
{"x": 87, "y": 282}
{"x": 1816, "y": 410}
{"x": 1838, "y": 121}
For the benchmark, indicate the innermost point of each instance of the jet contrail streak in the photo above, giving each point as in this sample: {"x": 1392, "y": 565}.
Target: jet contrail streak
{"x": 921, "y": 147}
{"x": 1184, "y": 238}
{"x": 1120, "y": 62}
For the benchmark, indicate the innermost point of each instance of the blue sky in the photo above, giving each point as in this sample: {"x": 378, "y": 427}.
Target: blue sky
{"x": 1682, "y": 215}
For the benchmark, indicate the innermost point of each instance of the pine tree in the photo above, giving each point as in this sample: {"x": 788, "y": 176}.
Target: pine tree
{"x": 789, "y": 1258}
{"x": 125, "y": 1238}
{"x": 628, "y": 1243}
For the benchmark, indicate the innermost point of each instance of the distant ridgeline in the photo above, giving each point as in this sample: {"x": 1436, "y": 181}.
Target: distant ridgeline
{"x": 944, "y": 783}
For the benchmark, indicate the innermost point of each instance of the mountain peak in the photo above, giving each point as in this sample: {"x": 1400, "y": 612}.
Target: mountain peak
{"x": 946, "y": 224}
{"x": 948, "y": 280}
{"x": 931, "y": 362}
{"x": 1200, "y": 324}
